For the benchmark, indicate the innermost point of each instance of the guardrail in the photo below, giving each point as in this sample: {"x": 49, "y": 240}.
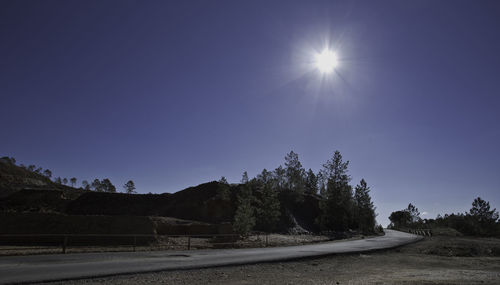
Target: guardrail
{"x": 421, "y": 232}
{"x": 131, "y": 241}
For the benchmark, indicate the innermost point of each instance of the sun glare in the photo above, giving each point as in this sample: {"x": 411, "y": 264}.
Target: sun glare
{"x": 326, "y": 61}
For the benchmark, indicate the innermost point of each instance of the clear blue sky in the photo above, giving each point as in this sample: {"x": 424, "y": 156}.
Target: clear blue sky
{"x": 176, "y": 93}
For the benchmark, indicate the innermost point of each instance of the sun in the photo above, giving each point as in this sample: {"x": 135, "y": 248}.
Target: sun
{"x": 326, "y": 61}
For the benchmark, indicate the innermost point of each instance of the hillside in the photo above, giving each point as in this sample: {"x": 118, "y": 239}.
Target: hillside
{"x": 24, "y": 192}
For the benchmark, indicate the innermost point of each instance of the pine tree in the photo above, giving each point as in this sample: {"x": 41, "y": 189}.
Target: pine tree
{"x": 129, "y": 187}
{"x": 244, "y": 218}
{"x": 311, "y": 182}
{"x": 294, "y": 173}
{"x": 365, "y": 211}
{"x": 337, "y": 206}
{"x": 268, "y": 212}
{"x": 73, "y": 181}
{"x": 244, "y": 178}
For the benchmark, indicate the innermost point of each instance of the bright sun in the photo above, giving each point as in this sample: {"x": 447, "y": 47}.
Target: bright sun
{"x": 326, "y": 61}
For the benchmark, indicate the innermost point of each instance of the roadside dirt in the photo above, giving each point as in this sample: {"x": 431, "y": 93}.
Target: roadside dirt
{"x": 420, "y": 263}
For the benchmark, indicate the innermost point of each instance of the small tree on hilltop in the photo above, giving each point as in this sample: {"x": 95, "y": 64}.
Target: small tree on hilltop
{"x": 85, "y": 185}
{"x": 244, "y": 178}
{"x": 58, "y": 180}
{"x": 73, "y": 181}
{"x": 129, "y": 187}
{"x": 65, "y": 181}
{"x": 108, "y": 186}
{"x": 96, "y": 185}
{"x": 47, "y": 173}
{"x": 414, "y": 213}
{"x": 223, "y": 191}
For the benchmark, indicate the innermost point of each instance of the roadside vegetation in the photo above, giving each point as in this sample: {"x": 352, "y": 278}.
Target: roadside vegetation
{"x": 481, "y": 220}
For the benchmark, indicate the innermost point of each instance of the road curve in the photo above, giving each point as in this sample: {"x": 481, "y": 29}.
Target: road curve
{"x": 38, "y": 268}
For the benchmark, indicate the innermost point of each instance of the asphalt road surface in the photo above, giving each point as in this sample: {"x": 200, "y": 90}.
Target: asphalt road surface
{"x": 38, "y": 268}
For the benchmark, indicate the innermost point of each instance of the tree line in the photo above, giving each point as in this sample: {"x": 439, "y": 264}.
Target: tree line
{"x": 260, "y": 200}
{"x": 103, "y": 185}
{"x": 481, "y": 220}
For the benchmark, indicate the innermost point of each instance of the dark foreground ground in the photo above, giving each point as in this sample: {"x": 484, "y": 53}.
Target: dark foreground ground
{"x": 437, "y": 260}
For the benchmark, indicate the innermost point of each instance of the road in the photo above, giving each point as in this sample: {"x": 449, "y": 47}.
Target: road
{"x": 37, "y": 268}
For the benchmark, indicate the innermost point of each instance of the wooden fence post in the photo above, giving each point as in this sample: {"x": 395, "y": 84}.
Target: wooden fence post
{"x": 135, "y": 242}
{"x": 65, "y": 244}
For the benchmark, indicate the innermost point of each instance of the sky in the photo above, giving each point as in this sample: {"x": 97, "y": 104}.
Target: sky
{"x": 172, "y": 94}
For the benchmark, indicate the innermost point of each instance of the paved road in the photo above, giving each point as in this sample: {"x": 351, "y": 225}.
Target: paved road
{"x": 25, "y": 269}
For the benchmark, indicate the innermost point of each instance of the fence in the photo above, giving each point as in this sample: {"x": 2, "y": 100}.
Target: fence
{"x": 52, "y": 243}
{"x": 421, "y": 232}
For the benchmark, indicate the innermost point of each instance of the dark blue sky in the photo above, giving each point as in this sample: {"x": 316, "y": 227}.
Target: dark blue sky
{"x": 176, "y": 93}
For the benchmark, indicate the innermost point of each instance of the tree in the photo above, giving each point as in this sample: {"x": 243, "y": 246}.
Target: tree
{"x": 85, "y": 185}
{"x": 223, "y": 180}
{"x": 414, "y": 213}
{"x": 244, "y": 217}
{"x": 268, "y": 211}
{"x": 65, "y": 181}
{"x": 365, "y": 211}
{"x": 96, "y": 185}
{"x": 108, "y": 186}
{"x": 31, "y": 167}
{"x": 337, "y": 206}
{"x": 223, "y": 191}
{"x": 481, "y": 212}
{"x": 58, "y": 180}
{"x": 400, "y": 219}
{"x": 244, "y": 178}
{"x": 311, "y": 185}
{"x": 47, "y": 173}
{"x": 279, "y": 177}
{"x": 265, "y": 177}
{"x": 294, "y": 173}
{"x": 129, "y": 187}
{"x": 73, "y": 181}
{"x": 38, "y": 170}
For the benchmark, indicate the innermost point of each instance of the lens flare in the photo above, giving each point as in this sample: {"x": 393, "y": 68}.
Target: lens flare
{"x": 326, "y": 61}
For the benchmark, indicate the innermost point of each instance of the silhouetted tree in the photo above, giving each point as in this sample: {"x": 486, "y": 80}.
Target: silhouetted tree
{"x": 223, "y": 190}
{"x": 47, "y": 173}
{"x": 265, "y": 177}
{"x": 129, "y": 187}
{"x": 223, "y": 180}
{"x": 96, "y": 185}
{"x": 65, "y": 181}
{"x": 365, "y": 210}
{"x": 279, "y": 177}
{"x": 414, "y": 213}
{"x": 58, "y": 180}
{"x": 400, "y": 219}
{"x": 311, "y": 182}
{"x": 38, "y": 170}
{"x": 337, "y": 207}
{"x": 73, "y": 181}
{"x": 108, "y": 186}
{"x": 294, "y": 173}
{"x": 85, "y": 185}
{"x": 244, "y": 178}
{"x": 481, "y": 211}
{"x": 31, "y": 167}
